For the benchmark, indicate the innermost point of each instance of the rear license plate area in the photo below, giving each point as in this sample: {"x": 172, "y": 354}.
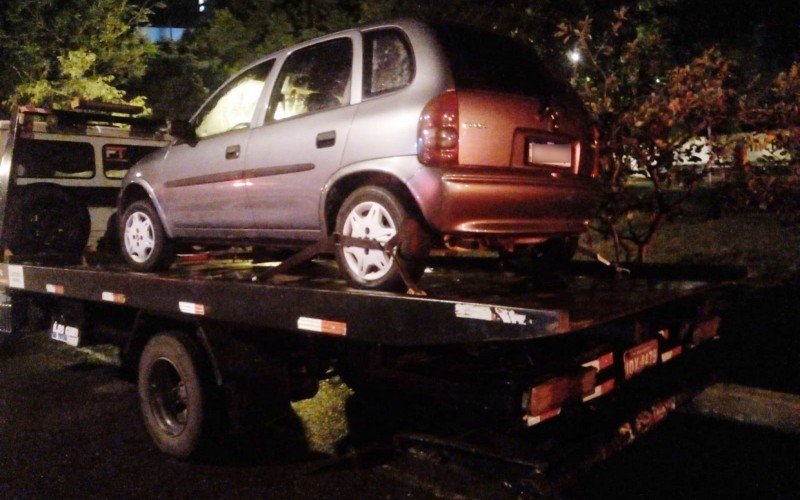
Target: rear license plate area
{"x": 639, "y": 358}
{"x": 548, "y": 152}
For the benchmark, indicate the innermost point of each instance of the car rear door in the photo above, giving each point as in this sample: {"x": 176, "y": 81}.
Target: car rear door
{"x": 302, "y": 139}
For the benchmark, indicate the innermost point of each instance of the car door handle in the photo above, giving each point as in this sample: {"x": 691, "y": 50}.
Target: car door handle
{"x": 232, "y": 152}
{"x": 326, "y": 139}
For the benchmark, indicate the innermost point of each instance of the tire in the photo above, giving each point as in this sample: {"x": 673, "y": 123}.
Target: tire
{"x": 45, "y": 219}
{"x": 176, "y": 395}
{"x": 143, "y": 242}
{"x": 376, "y": 213}
{"x": 552, "y": 255}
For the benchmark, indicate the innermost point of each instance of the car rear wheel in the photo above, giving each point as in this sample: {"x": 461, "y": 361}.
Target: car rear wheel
{"x": 143, "y": 242}
{"x": 375, "y": 213}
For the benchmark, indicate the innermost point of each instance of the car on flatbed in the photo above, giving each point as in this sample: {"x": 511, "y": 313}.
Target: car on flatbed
{"x": 407, "y": 133}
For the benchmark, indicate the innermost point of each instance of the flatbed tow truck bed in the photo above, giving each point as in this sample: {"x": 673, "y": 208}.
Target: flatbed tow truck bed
{"x": 467, "y": 301}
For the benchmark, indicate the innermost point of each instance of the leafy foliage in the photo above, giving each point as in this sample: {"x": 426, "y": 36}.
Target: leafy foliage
{"x": 647, "y": 108}
{"x": 53, "y": 49}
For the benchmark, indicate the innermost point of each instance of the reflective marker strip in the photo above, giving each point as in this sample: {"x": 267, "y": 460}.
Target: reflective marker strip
{"x": 16, "y": 276}
{"x": 673, "y": 353}
{"x": 601, "y": 389}
{"x": 601, "y": 363}
{"x": 531, "y": 420}
{"x": 56, "y": 289}
{"x": 321, "y": 326}
{"x": 192, "y": 308}
{"x": 118, "y": 298}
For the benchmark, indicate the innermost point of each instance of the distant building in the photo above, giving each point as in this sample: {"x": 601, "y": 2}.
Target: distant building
{"x": 171, "y": 22}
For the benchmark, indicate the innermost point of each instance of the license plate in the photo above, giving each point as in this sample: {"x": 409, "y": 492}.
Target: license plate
{"x": 638, "y": 358}
{"x": 70, "y": 335}
{"x": 549, "y": 153}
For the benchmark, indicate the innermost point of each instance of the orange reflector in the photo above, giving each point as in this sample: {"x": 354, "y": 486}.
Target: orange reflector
{"x": 556, "y": 391}
{"x": 601, "y": 389}
{"x": 531, "y": 420}
{"x": 322, "y": 326}
{"x": 671, "y": 354}
{"x": 192, "y": 258}
{"x": 118, "y": 298}
{"x": 56, "y": 289}
{"x": 602, "y": 362}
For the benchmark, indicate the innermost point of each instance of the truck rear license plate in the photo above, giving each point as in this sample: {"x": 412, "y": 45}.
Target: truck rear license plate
{"x": 67, "y": 334}
{"x": 638, "y": 358}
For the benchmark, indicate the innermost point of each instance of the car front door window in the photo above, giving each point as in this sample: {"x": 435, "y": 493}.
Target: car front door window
{"x": 232, "y": 108}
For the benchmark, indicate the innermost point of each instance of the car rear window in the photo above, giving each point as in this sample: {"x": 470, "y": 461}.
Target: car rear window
{"x": 481, "y": 60}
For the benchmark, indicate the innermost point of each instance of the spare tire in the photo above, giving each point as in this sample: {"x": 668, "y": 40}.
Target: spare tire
{"x": 45, "y": 219}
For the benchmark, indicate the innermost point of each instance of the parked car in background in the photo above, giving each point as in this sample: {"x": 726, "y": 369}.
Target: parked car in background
{"x": 446, "y": 135}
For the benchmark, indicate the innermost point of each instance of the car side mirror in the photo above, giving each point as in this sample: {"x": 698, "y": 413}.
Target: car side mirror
{"x": 182, "y": 130}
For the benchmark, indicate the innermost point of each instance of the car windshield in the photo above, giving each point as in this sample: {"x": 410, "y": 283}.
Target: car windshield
{"x": 481, "y": 60}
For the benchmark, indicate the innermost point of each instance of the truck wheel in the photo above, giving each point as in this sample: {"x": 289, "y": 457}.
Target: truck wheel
{"x": 46, "y": 219}
{"x": 143, "y": 242}
{"x": 176, "y": 394}
{"x": 375, "y": 213}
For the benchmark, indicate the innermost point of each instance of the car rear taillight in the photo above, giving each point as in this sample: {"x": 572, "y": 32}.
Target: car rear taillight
{"x": 437, "y": 133}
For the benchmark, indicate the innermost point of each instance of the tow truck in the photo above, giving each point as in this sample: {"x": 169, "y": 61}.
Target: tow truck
{"x": 221, "y": 337}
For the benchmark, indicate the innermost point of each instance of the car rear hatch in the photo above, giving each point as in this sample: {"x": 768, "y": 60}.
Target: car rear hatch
{"x": 512, "y": 112}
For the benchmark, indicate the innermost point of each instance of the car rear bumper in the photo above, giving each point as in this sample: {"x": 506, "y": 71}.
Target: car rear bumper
{"x": 493, "y": 204}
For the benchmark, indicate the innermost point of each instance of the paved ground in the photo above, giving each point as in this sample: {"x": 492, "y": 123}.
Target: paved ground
{"x": 69, "y": 426}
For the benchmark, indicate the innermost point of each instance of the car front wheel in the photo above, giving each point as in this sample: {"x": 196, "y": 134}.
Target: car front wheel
{"x": 143, "y": 241}
{"x": 374, "y": 213}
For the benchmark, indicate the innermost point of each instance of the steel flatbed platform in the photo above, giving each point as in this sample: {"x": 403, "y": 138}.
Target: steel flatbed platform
{"x": 467, "y": 301}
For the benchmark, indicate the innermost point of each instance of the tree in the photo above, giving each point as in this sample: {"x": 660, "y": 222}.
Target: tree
{"x": 647, "y": 110}
{"x": 52, "y": 49}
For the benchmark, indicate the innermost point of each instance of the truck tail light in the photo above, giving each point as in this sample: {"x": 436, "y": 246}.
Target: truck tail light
{"x": 437, "y": 133}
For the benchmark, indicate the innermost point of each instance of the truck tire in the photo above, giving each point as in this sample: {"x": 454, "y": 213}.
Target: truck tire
{"x": 176, "y": 395}
{"x": 45, "y": 219}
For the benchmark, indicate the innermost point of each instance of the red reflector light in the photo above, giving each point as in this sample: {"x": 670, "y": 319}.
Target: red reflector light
{"x": 437, "y": 132}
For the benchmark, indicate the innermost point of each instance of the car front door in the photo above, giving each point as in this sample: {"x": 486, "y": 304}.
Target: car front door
{"x": 203, "y": 186}
{"x": 300, "y": 144}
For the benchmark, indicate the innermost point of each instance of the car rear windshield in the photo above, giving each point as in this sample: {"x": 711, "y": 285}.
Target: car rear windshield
{"x": 485, "y": 61}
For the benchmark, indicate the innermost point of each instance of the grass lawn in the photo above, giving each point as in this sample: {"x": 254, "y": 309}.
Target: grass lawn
{"x": 767, "y": 247}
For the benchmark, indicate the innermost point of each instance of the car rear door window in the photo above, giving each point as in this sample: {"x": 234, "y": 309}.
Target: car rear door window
{"x": 313, "y": 79}
{"x": 233, "y": 106}
{"x": 388, "y": 63}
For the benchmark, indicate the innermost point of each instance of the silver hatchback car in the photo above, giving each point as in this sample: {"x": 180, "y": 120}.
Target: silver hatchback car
{"x": 430, "y": 135}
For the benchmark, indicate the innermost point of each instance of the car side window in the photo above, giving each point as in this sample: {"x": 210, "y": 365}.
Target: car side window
{"x": 388, "y": 63}
{"x": 313, "y": 79}
{"x": 233, "y": 106}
